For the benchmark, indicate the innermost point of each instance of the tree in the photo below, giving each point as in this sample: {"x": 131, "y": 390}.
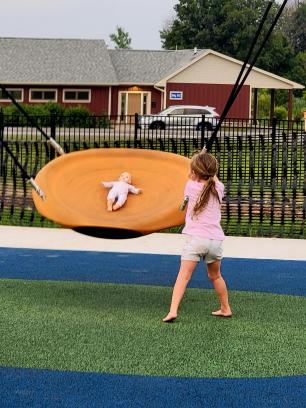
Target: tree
{"x": 298, "y": 70}
{"x": 228, "y": 26}
{"x": 121, "y": 38}
{"x": 296, "y": 27}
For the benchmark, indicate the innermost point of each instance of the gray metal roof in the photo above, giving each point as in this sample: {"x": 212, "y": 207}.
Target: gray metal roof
{"x": 81, "y": 62}
{"x": 55, "y": 61}
{"x": 148, "y": 66}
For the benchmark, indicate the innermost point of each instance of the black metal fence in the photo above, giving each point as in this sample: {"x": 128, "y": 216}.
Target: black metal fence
{"x": 262, "y": 165}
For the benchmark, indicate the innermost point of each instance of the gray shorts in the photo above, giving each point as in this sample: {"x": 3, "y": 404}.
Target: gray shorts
{"x": 196, "y": 247}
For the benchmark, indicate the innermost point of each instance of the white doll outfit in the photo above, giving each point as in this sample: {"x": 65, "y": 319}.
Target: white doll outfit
{"x": 119, "y": 190}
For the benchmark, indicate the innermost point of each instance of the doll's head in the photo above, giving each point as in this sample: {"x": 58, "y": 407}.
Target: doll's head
{"x": 125, "y": 176}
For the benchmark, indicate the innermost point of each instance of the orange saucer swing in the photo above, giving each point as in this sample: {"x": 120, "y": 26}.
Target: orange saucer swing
{"x": 75, "y": 198}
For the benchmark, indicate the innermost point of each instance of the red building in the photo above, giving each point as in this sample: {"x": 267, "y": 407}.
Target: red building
{"x": 122, "y": 82}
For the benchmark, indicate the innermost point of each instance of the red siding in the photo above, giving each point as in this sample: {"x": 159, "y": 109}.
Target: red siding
{"x": 193, "y": 94}
{"x": 213, "y": 95}
{"x": 99, "y": 97}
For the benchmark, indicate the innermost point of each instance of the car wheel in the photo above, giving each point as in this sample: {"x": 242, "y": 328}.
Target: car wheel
{"x": 157, "y": 125}
{"x": 207, "y": 125}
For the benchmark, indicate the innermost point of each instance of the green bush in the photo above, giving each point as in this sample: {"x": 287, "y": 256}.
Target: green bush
{"x": 103, "y": 121}
{"x": 299, "y": 106}
{"x": 55, "y": 108}
{"x": 281, "y": 113}
{"x": 263, "y": 104}
{"x": 77, "y": 116}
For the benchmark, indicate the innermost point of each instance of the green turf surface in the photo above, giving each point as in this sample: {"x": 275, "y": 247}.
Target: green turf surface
{"x": 118, "y": 329}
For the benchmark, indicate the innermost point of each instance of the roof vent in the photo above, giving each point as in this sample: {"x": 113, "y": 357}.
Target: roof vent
{"x": 195, "y": 50}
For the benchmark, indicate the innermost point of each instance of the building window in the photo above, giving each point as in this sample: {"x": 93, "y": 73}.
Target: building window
{"x": 16, "y": 93}
{"x": 123, "y": 106}
{"x": 43, "y": 95}
{"x": 77, "y": 95}
{"x": 145, "y": 104}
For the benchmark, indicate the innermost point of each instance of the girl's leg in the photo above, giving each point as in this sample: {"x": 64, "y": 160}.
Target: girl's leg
{"x": 183, "y": 277}
{"x": 214, "y": 275}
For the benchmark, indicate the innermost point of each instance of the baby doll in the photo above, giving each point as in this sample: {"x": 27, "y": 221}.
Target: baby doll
{"x": 119, "y": 191}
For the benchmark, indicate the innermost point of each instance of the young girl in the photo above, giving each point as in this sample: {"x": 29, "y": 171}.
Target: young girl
{"x": 204, "y": 235}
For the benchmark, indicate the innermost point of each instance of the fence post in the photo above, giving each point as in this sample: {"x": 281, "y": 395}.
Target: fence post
{"x": 136, "y": 129}
{"x": 273, "y": 173}
{"x": 304, "y": 186}
{"x": 202, "y": 132}
{"x": 274, "y": 124}
{"x": 1, "y": 140}
{"x": 52, "y": 133}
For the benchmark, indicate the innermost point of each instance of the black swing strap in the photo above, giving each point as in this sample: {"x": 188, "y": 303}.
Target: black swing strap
{"x": 52, "y": 141}
{"x": 23, "y": 171}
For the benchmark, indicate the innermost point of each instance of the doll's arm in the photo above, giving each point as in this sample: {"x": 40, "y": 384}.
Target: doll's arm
{"x": 107, "y": 184}
{"x": 134, "y": 190}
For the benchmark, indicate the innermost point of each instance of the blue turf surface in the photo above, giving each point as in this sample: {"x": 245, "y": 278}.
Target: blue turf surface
{"x": 20, "y": 388}
{"x": 54, "y": 389}
{"x": 274, "y": 276}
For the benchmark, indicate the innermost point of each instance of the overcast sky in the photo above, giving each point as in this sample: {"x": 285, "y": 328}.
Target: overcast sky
{"x": 97, "y": 19}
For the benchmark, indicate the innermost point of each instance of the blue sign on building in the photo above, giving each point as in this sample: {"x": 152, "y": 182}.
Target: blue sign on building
{"x": 176, "y": 95}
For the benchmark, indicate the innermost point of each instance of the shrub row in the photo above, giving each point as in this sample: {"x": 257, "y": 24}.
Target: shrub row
{"x": 54, "y": 114}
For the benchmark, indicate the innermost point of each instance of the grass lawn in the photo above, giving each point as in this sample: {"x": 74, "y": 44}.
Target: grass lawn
{"x": 109, "y": 328}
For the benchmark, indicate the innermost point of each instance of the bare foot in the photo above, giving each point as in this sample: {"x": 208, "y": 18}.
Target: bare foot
{"x": 116, "y": 207}
{"x": 221, "y": 313}
{"x": 110, "y": 205}
{"x": 169, "y": 318}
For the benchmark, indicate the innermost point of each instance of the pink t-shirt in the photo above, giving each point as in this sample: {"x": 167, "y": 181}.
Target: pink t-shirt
{"x": 206, "y": 224}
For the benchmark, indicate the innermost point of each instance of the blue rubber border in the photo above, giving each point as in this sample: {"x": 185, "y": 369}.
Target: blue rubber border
{"x": 261, "y": 275}
{"x": 22, "y": 388}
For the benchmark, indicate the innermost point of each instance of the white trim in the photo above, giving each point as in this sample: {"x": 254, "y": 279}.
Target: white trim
{"x": 42, "y": 90}
{"x": 109, "y": 101}
{"x": 149, "y": 93}
{"x": 163, "y": 81}
{"x": 250, "y": 102}
{"x": 119, "y": 113}
{"x": 162, "y": 95}
{"x": 76, "y": 100}
{"x": 14, "y": 89}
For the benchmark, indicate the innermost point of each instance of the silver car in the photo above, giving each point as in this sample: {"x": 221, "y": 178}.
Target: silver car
{"x": 182, "y": 116}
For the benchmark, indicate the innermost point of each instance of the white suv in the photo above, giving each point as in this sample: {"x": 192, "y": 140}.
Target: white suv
{"x": 182, "y": 116}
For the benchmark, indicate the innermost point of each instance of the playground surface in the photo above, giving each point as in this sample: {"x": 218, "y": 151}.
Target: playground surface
{"x": 81, "y": 323}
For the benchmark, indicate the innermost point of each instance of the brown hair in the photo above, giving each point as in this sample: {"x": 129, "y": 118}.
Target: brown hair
{"x": 205, "y": 166}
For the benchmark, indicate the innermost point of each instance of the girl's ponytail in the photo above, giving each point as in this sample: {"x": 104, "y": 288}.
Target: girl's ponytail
{"x": 209, "y": 189}
{"x": 205, "y": 166}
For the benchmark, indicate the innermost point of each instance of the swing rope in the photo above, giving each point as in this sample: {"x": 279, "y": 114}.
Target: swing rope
{"x": 50, "y": 139}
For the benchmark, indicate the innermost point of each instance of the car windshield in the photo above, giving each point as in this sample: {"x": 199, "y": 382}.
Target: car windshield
{"x": 163, "y": 111}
